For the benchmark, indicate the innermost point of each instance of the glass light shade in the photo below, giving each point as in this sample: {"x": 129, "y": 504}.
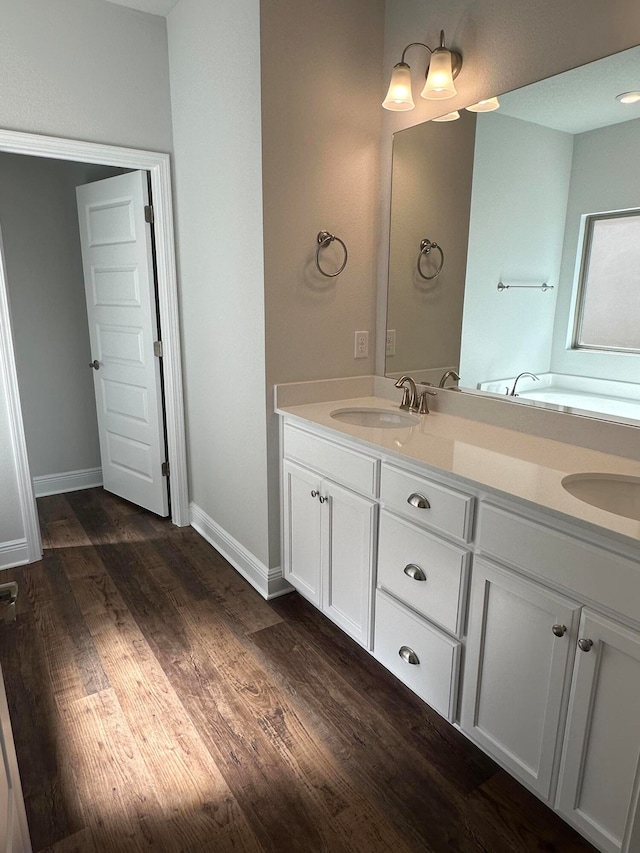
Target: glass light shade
{"x": 439, "y": 83}
{"x": 448, "y": 117}
{"x": 399, "y": 96}
{"x": 486, "y": 106}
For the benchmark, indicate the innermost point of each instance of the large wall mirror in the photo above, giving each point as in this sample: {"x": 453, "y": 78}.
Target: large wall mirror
{"x": 534, "y": 210}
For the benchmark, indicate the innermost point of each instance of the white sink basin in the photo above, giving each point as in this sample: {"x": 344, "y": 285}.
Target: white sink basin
{"x": 378, "y": 418}
{"x": 614, "y": 492}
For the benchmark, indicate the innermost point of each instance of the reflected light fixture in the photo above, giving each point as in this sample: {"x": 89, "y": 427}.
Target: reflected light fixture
{"x": 486, "y": 106}
{"x": 628, "y": 97}
{"x": 444, "y": 66}
{"x": 448, "y": 117}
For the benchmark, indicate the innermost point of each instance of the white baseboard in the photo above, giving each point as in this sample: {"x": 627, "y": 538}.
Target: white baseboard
{"x": 13, "y": 553}
{"x": 67, "y": 481}
{"x": 268, "y": 582}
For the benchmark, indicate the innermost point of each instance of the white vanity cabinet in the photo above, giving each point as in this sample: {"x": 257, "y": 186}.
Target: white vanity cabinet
{"x": 552, "y": 687}
{"x": 330, "y": 530}
{"x": 520, "y": 626}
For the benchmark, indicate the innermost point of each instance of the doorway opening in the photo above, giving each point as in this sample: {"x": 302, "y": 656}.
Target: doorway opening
{"x": 84, "y": 163}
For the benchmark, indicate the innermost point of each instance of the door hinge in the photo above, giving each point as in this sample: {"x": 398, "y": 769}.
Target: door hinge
{"x": 157, "y": 349}
{"x": 148, "y": 213}
{"x": 165, "y": 469}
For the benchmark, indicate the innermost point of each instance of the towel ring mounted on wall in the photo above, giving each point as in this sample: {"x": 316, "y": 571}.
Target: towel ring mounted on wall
{"x": 425, "y": 249}
{"x": 323, "y": 239}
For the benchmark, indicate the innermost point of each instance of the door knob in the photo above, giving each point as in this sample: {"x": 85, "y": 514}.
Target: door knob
{"x": 95, "y": 364}
{"x": 559, "y": 630}
{"x": 585, "y": 645}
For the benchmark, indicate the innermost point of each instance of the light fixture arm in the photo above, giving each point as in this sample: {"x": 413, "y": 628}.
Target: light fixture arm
{"x": 416, "y": 44}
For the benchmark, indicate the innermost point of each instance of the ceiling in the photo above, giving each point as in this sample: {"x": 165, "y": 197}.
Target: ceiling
{"x": 155, "y": 7}
{"x": 581, "y": 99}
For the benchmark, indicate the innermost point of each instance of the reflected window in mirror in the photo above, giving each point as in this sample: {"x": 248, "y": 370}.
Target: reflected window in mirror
{"x": 608, "y": 309}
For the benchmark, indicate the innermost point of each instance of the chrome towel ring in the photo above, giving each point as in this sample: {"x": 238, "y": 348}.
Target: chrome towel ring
{"x": 425, "y": 249}
{"x": 324, "y": 238}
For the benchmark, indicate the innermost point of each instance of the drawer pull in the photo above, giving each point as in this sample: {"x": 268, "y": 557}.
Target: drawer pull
{"x": 559, "y": 630}
{"x": 414, "y": 572}
{"x": 408, "y": 655}
{"x": 418, "y": 501}
{"x": 585, "y": 645}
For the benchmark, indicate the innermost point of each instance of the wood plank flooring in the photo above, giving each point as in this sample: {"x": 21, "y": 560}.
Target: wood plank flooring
{"x": 159, "y": 704}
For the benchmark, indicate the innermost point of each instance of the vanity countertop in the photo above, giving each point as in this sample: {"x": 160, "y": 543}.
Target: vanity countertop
{"x": 520, "y": 465}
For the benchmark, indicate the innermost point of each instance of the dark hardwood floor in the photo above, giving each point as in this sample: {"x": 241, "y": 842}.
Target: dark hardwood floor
{"x": 159, "y": 704}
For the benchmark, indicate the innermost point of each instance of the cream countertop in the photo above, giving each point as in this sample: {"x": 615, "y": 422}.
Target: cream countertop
{"x": 525, "y": 466}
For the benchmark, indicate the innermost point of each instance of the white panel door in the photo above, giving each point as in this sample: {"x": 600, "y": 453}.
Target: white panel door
{"x": 600, "y": 773}
{"x": 121, "y": 305}
{"x": 520, "y": 647}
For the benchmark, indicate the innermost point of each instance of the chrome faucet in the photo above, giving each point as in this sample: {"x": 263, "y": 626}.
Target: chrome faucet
{"x": 512, "y": 393}
{"x": 410, "y": 399}
{"x": 449, "y": 374}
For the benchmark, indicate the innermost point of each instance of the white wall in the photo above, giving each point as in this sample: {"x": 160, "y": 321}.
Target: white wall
{"x": 521, "y": 178}
{"x": 214, "y": 51}
{"x": 80, "y": 69}
{"x": 604, "y": 178}
{"x": 39, "y": 221}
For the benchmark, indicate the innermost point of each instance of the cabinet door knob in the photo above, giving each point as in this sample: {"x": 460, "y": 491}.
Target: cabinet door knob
{"x": 408, "y": 655}
{"x": 414, "y": 572}
{"x": 585, "y": 645}
{"x": 323, "y": 500}
{"x": 559, "y": 630}
{"x": 418, "y": 501}
{"x": 95, "y": 364}
{"x": 314, "y": 493}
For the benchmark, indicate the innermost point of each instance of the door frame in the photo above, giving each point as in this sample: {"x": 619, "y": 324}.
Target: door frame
{"x": 158, "y": 167}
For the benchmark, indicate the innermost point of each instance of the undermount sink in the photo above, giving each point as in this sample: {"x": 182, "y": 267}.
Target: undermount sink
{"x": 616, "y": 493}
{"x": 379, "y": 418}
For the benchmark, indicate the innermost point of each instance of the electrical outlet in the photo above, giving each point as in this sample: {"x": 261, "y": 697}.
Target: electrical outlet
{"x": 391, "y": 342}
{"x": 361, "y": 345}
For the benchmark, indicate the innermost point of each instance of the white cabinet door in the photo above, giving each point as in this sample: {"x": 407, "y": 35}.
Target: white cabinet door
{"x": 302, "y": 530}
{"x": 348, "y": 543}
{"x": 600, "y": 775}
{"x": 516, "y": 671}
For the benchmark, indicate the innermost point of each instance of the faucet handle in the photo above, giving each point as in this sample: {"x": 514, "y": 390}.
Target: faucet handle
{"x": 424, "y": 401}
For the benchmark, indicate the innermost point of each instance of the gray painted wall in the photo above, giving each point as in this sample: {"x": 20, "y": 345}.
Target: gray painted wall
{"x": 81, "y": 69}
{"x": 39, "y": 221}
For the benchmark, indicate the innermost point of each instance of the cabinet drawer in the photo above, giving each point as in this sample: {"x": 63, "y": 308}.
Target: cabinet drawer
{"x": 434, "y": 675}
{"x": 350, "y": 467}
{"x": 406, "y": 554}
{"x": 448, "y": 510}
{"x": 589, "y": 571}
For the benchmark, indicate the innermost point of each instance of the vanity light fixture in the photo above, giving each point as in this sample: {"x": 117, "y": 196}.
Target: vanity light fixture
{"x": 448, "y": 117}
{"x": 486, "y": 106}
{"x": 444, "y": 66}
{"x": 628, "y": 97}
